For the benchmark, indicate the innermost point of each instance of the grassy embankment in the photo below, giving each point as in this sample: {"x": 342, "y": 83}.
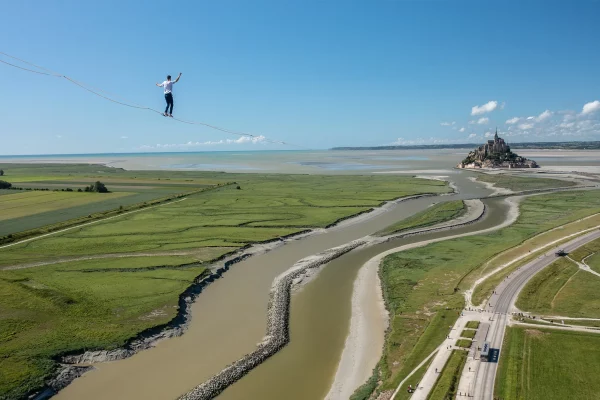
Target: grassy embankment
{"x": 519, "y": 183}
{"x": 546, "y": 364}
{"x": 562, "y": 289}
{"x": 55, "y": 309}
{"x": 419, "y": 284}
{"x": 528, "y": 249}
{"x": 93, "y": 304}
{"x": 574, "y": 322}
{"x": 591, "y": 253}
{"x": 435, "y": 214}
{"x": 447, "y": 383}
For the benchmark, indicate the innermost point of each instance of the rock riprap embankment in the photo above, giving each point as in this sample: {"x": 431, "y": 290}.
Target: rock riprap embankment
{"x": 277, "y": 335}
{"x": 277, "y": 323}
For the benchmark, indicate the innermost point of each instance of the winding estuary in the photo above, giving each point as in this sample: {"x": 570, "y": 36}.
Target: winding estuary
{"x": 229, "y": 319}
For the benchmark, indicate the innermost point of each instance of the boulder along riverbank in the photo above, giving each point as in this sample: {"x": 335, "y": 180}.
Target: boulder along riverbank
{"x": 74, "y": 364}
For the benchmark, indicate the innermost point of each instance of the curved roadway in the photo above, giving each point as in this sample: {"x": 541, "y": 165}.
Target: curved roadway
{"x": 501, "y": 304}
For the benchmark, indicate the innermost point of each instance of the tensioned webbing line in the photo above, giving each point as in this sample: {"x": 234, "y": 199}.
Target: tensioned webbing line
{"x": 111, "y": 97}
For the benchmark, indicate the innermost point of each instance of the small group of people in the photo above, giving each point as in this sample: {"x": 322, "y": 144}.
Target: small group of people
{"x": 168, "y": 88}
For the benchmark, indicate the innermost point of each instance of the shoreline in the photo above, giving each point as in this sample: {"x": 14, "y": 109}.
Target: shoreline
{"x": 69, "y": 363}
{"x": 350, "y": 374}
{"x": 488, "y": 185}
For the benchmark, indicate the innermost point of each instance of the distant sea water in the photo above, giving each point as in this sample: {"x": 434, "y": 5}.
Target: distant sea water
{"x": 299, "y": 161}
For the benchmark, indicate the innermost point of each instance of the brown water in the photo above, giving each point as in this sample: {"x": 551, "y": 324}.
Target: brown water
{"x": 229, "y": 318}
{"x": 319, "y": 323}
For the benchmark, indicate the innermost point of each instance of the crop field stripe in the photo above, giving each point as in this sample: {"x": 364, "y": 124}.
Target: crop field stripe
{"x": 88, "y": 223}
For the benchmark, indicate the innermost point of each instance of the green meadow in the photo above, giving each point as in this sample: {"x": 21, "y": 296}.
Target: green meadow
{"x": 99, "y": 303}
{"x": 435, "y": 214}
{"x": 21, "y": 204}
{"x": 562, "y": 289}
{"x": 518, "y": 183}
{"x": 96, "y": 304}
{"x": 423, "y": 286}
{"x": 547, "y": 364}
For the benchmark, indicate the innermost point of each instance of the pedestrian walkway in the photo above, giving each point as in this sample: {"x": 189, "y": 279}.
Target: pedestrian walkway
{"x": 467, "y": 380}
{"x": 440, "y": 359}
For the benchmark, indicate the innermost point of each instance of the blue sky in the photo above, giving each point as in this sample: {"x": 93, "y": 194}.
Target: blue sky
{"x": 313, "y": 73}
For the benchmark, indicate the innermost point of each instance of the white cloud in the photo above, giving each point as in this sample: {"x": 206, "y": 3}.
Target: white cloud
{"x": 462, "y": 129}
{"x": 472, "y": 135}
{"x": 513, "y": 120}
{"x": 486, "y": 108}
{"x": 489, "y": 134}
{"x": 524, "y": 127}
{"x": 483, "y": 120}
{"x": 448, "y": 123}
{"x": 590, "y": 107}
{"x": 543, "y": 116}
{"x": 241, "y": 140}
{"x": 124, "y": 137}
{"x": 530, "y": 118}
{"x": 420, "y": 140}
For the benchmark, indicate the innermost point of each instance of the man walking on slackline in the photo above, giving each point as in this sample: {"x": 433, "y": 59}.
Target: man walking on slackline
{"x": 168, "y": 85}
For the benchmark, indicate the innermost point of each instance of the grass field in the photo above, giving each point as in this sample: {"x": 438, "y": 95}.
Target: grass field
{"x": 419, "y": 284}
{"x": 562, "y": 289}
{"x": 577, "y": 322}
{"x": 527, "y": 248}
{"x": 594, "y": 262}
{"x": 519, "y": 183}
{"x": 545, "y": 364}
{"x": 128, "y": 188}
{"x": 585, "y": 250}
{"x": 447, "y": 383}
{"x": 435, "y": 214}
{"x": 94, "y": 304}
{"x": 472, "y": 324}
{"x": 21, "y": 204}
{"x": 265, "y": 208}
{"x": 464, "y": 343}
{"x": 591, "y": 253}
{"x": 468, "y": 333}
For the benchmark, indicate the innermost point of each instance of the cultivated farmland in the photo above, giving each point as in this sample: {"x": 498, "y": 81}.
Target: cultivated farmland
{"x": 21, "y": 204}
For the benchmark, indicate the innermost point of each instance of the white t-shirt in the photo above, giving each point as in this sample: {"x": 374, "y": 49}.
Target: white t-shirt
{"x": 168, "y": 85}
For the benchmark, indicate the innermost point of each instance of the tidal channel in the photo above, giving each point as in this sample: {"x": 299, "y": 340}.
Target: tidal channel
{"x": 229, "y": 319}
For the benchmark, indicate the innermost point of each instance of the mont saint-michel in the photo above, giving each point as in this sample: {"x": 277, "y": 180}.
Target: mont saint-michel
{"x": 495, "y": 154}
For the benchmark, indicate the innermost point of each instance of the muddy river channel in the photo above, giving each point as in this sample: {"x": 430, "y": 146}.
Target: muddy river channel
{"x": 229, "y": 319}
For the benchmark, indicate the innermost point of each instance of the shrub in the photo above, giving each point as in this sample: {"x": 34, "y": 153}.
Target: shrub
{"x": 5, "y": 185}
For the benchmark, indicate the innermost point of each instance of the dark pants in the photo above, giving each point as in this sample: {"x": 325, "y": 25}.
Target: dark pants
{"x": 169, "y": 99}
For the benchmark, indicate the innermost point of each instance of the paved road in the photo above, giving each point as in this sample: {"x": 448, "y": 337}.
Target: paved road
{"x": 501, "y": 304}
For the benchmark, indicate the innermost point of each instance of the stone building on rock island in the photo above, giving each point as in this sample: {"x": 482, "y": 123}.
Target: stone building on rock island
{"x": 495, "y": 154}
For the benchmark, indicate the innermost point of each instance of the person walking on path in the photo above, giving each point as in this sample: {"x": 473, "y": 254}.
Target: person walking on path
{"x": 168, "y": 86}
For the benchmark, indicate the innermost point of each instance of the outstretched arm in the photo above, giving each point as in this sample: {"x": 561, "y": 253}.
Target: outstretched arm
{"x": 159, "y": 84}
{"x": 177, "y": 80}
